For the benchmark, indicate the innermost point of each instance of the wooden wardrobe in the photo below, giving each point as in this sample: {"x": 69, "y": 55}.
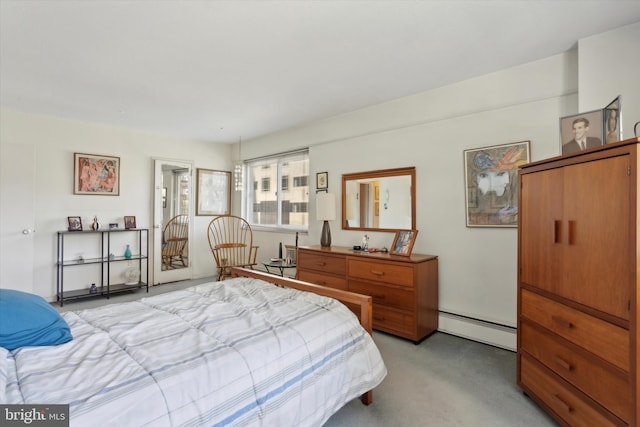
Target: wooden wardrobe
{"x": 578, "y": 285}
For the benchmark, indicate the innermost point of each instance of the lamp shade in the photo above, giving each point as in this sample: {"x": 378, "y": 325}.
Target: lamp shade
{"x": 325, "y": 207}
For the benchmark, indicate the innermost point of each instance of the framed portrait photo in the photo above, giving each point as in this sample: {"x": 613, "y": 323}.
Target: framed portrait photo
{"x": 213, "y": 192}
{"x": 613, "y": 121}
{"x": 96, "y": 175}
{"x": 75, "y": 223}
{"x": 491, "y": 184}
{"x": 129, "y": 222}
{"x": 403, "y": 242}
{"x": 580, "y": 132}
{"x": 322, "y": 180}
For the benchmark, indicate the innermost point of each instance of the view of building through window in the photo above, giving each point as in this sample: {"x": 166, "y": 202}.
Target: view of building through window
{"x": 278, "y": 191}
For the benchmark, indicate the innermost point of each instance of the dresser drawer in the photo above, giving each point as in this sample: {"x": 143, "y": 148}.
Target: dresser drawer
{"x": 390, "y": 273}
{"x": 559, "y": 398}
{"x": 384, "y": 295}
{"x": 608, "y": 386}
{"x": 604, "y": 339}
{"x": 394, "y": 321}
{"x": 322, "y": 262}
{"x": 323, "y": 279}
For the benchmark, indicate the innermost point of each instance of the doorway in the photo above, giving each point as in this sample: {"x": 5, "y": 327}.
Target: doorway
{"x": 173, "y": 219}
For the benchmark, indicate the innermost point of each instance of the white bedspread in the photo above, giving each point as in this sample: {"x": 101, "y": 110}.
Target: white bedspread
{"x": 237, "y": 352}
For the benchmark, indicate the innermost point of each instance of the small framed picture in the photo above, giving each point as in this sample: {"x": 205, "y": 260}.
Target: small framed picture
{"x": 113, "y": 225}
{"x": 581, "y": 131}
{"x": 322, "y": 180}
{"x": 129, "y": 222}
{"x": 613, "y": 121}
{"x": 403, "y": 242}
{"x": 75, "y": 223}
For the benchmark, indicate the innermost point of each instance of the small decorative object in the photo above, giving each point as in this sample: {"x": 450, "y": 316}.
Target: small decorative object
{"x": 112, "y": 257}
{"x": 93, "y": 289}
{"x": 127, "y": 252}
{"x": 635, "y": 129}
{"x": 365, "y": 242}
{"x": 581, "y": 131}
{"x": 280, "y": 251}
{"x": 129, "y": 222}
{"x": 80, "y": 259}
{"x": 613, "y": 121}
{"x": 322, "y": 181}
{"x": 403, "y": 242}
{"x": 491, "y": 184}
{"x": 96, "y": 175}
{"x": 113, "y": 225}
{"x": 75, "y": 223}
{"x": 213, "y": 192}
{"x": 95, "y": 225}
{"x": 131, "y": 276}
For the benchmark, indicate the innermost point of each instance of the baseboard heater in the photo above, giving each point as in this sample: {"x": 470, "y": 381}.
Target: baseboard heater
{"x": 484, "y": 331}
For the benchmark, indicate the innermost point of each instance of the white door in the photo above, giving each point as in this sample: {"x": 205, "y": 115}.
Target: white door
{"x": 17, "y": 216}
{"x": 173, "y": 196}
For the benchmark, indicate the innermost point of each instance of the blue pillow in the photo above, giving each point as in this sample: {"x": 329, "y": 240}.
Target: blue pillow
{"x": 28, "y": 320}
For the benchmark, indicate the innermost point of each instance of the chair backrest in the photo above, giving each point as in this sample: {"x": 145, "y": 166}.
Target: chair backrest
{"x": 175, "y": 235}
{"x": 231, "y": 241}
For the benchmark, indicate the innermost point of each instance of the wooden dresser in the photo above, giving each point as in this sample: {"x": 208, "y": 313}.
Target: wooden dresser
{"x": 404, "y": 289}
{"x": 578, "y": 286}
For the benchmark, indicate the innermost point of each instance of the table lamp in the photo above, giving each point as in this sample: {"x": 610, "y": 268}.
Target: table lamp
{"x": 325, "y": 211}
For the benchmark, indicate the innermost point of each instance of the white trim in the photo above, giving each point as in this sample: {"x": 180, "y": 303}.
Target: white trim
{"x": 478, "y": 330}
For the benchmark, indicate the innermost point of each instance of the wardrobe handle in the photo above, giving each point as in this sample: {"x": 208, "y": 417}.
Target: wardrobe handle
{"x": 557, "y": 231}
{"x": 563, "y": 363}
{"x": 572, "y": 232}
{"x": 562, "y": 322}
{"x": 567, "y": 407}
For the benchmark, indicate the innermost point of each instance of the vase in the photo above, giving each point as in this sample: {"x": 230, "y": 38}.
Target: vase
{"x": 127, "y": 252}
{"x": 95, "y": 226}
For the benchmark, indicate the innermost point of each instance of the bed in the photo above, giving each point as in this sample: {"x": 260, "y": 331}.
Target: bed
{"x": 235, "y": 352}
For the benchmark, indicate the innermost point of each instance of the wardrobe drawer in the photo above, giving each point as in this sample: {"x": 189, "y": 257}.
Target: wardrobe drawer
{"x": 323, "y": 279}
{"x": 321, "y": 262}
{"x": 604, "y": 339}
{"x": 608, "y": 386}
{"x": 393, "y": 321}
{"x": 391, "y": 273}
{"x": 384, "y": 295}
{"x": 561, "y": 399}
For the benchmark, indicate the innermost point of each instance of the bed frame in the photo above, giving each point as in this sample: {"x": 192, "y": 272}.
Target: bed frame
{"x": 361, "y": 305}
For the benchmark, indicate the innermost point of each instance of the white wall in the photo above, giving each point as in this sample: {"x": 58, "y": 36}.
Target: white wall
{"x": 55, "y": 141}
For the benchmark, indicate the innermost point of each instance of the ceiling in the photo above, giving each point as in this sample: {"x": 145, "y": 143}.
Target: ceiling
{"x": 219, "y": 71}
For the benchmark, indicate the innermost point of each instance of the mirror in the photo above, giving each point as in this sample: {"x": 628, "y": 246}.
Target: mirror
{"x": 382, "y": 200}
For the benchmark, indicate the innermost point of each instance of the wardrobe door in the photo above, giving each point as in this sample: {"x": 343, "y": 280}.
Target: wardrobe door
{"x": 595, "y": 257}
{"x": 541, "y": 229}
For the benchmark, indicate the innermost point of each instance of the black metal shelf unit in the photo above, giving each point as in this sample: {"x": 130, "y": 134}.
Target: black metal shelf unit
{"x": 105, "y": 288}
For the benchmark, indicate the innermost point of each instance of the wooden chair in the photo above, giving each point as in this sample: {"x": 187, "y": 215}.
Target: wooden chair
{"x": 174, "y": 240}
{"x": 231, "y": 242}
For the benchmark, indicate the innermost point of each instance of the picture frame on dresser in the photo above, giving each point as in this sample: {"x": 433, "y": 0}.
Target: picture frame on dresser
{"x": 612, "y": 119}
{"x": 589, "y": 125}
{"x": 403, "y": 242}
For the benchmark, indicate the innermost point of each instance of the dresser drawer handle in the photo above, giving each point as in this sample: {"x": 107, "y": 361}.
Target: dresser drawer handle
{"x": 567, "y": 407}
{"x": 379, "y": 296}
{"x": 562, "y": 322}
{"x": 321, "y": 264}
{"x": 378, "y": 318}
{"x": 563, "y": 363}
{"x": 377, "y": 273}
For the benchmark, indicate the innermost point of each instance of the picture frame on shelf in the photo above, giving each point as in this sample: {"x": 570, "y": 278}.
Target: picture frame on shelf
{"x": 587, "y": 125}
{"x": 75, "y": 223}
{"x": 403, "y": 242}
{"x": 612, "y": 120}
{"x": 129, "y": 222}
{"x": 96, "y": 175}
{"x": 491, "y": 183}
{"x": 322, "y": 181}
{"x": 213, "y": 192}
{"x": 113, "y": 226}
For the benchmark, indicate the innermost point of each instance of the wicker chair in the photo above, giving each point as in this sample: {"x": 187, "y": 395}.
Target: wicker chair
{"x": 174, "y": 241}
{"x": 231, "y": 242}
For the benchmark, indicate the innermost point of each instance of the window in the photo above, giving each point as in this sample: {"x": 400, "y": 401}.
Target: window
{"x": 284, "y": 207}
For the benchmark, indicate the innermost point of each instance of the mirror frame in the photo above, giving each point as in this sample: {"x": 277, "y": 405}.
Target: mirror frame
{"x": 410, "y": 171}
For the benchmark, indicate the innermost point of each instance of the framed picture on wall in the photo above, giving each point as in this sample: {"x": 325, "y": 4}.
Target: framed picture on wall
{"x": 322, "y": 181}
{"x": 613, "y": 121}
{"x": 403, "y": 242}
{"x": 213, "y": 192}
{"x": 580, "y": 132}
{"x": 96, "y": 175}
{"x": 491, "y": 184}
